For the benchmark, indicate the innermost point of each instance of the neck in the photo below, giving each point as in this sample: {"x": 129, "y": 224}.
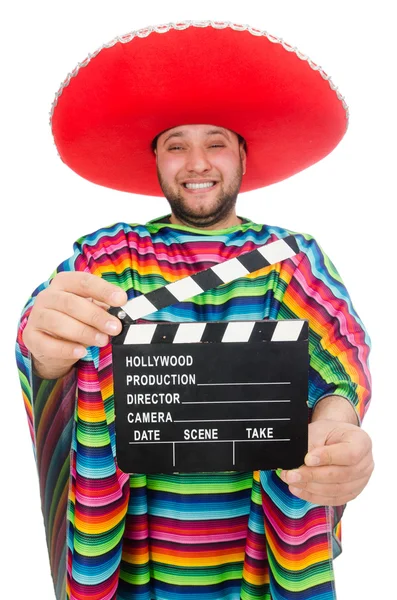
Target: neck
{"x": 230, "y": 221}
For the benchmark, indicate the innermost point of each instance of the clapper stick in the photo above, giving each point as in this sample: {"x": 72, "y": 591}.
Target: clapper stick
{"x": 206, "y": 280}
{"x": 210, "y": 396}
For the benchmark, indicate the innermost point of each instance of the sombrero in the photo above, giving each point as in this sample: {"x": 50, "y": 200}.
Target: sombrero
{"x": 110, "y": 108}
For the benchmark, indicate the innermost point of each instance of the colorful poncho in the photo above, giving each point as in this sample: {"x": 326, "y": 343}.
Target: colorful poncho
{"x": 207, "y": 536}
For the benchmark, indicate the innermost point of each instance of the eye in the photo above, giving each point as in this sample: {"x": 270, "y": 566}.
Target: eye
{"x": 217, "y": 145}
{"x": 175, "y": 148}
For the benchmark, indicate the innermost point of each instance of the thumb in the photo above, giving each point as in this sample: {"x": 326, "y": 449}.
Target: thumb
{"x": 345, "y": 445}
{"x": 323, "y": 432}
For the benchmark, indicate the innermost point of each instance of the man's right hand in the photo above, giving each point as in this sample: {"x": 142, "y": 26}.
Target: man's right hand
{"x": 69, "y": 315}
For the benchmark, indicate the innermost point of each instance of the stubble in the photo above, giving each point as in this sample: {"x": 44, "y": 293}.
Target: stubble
{"x": 219, "y": 210}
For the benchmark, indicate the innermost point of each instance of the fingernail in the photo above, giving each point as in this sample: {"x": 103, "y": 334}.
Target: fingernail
{"x": 79, "y": 352}
{"x": 295, "y": 491}
{"x": 294, "y": 477}
{"x": 112, "y": 326}
{"x": 312, "y": 460}
{"x": 101, "y": 339}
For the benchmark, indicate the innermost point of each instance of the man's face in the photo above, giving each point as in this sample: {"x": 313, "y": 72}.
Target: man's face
{"x": 200, "y": 168}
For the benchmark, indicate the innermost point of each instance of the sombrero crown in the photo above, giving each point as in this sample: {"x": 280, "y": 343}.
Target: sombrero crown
{"x": 111, "y": 107}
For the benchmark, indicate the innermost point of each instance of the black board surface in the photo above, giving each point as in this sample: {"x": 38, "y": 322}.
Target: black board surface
{"x": 213, "y": 396}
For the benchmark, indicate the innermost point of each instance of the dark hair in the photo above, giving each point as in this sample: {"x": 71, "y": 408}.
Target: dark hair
{"x": 240, "y": 138}
{"x": 242, "y": 142}
{"x": 153, "y": 145}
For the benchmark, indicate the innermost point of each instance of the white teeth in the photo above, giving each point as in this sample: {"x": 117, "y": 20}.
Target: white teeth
{"x": 197, "y": 186}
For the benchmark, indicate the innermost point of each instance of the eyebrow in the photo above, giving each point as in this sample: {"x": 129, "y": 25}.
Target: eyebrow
{"x": 209, "y": 132}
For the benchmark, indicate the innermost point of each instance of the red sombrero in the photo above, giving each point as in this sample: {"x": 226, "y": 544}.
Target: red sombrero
{"x": 110, "y": 108}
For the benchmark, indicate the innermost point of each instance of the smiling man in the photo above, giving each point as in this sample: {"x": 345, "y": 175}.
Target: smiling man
{"x": 225, "y": 535}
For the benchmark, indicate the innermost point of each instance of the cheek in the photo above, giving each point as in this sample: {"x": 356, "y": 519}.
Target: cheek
{"x": 169, "y": 168}
{"x": 228, "y": 166}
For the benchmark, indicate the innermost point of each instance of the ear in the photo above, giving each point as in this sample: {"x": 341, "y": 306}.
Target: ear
{"x": 243, "y": 156}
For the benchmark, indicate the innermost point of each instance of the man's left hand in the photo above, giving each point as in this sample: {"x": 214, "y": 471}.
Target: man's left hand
{"x": 337, "y": 467}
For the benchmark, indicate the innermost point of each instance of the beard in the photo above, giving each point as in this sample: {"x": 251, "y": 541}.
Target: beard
{"x": 207, "y": 214}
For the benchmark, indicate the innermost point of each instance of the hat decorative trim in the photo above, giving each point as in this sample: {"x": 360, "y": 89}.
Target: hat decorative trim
{"x": 181, "y": 25}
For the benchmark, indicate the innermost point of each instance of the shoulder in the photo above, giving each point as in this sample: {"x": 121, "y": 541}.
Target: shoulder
{"x": 112, "y": 233}
{"x": 108, "y": 246}
{"x": 305, "y": 241}
{"x": 311, "y": 254}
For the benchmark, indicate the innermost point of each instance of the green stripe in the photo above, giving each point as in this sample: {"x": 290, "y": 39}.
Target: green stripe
{"x": 201, "y": 483}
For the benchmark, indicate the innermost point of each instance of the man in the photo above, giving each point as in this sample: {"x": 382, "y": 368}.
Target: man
{"x": 218, "y": 535}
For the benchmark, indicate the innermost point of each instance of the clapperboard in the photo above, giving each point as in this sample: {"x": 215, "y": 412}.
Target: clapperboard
{"x": 210, "y": 396}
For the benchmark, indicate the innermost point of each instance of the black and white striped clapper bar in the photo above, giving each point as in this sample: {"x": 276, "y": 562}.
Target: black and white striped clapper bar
{"x": 210, "y": 396}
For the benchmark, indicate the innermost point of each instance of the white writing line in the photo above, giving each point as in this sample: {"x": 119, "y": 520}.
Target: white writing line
{"x": 234, "y": 401}
{"x": 211, "y": 441}
{"x": 234, "y": 452}
{"x": 173, "y": 454}
{"x": 227, "y": 420}
{"x": 249, "y": 383}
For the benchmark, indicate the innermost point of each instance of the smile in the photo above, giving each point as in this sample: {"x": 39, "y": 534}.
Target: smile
{"x": 199, "y": 186}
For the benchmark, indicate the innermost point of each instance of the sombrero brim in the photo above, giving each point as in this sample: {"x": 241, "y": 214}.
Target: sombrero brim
{"x": 111, "y": 107}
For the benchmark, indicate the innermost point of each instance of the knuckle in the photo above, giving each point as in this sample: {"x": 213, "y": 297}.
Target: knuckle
{"x": 40, "y": 300}
{"x": 65, "y": 351}
{"x": 69, "y": 304}
{"x": 85, "y": 281}
{"x": 59, "y": 278}
{"x": 365, "y": 440}
{"x": 106, "y": 291}
{"x": 33, "y": 319}
{"x": 332, "y": 474}
{"x": 96, "y": 318}
{"x": 46, "y": 298}
{"x": 39, "y": 317}
{"x": 86, "y": 335}
{"x": 311, "y": 475}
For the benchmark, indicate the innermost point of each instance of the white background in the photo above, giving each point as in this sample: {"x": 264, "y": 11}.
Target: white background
{"x": 346, "y": 201}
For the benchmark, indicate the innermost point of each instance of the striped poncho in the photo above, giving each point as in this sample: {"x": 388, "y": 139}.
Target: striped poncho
{"x": 209, "y": 536}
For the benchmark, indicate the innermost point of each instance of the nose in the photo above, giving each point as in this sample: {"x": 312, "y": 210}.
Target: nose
{"x": 197, "y": 161}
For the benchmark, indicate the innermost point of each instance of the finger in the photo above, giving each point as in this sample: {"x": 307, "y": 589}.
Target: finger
{"x": 328, "y": 485}
{"x": 338, "y": 495}
{"x": 66, "y": 328}
{"x": 335, "y": 490}
{"x": 90, "y": 286}
{"x": 328, "y": 474}
{"x": 354, "y": 445}
{"x": 101, "y": 304}
{"x": 49, "y": 348}
{"x": 81, "y": 309}
{"x": 323, "y": 476}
